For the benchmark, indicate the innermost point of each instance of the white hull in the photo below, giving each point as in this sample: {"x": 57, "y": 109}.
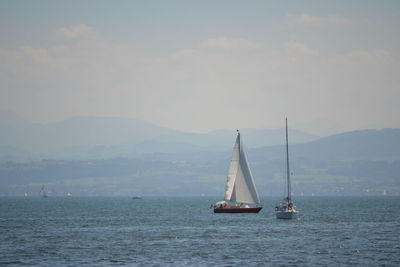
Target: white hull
{"x": 286, "y": 214}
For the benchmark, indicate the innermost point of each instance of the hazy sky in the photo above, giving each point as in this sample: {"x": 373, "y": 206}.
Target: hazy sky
{"x": 204, "y": 65}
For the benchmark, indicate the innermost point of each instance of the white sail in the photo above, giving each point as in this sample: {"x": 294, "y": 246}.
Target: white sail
{"x": 233, "y": 169}
{"x": 240, "y": 184}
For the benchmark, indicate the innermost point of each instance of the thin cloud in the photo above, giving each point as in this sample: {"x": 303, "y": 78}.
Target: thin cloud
{"x": 363, "y": 57}
{"x": 299, "y": 48}
{"x": 75, "y": 32}
{"x": 306, "y": 19}
{"x": 229, "y": 44}
{"x": 99, "y": 77}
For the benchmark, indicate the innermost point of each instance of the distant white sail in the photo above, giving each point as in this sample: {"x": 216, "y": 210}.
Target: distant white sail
{"x": 240, "y": 184}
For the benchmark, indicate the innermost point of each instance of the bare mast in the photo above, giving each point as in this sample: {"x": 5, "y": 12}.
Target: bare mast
{"x": 289, "y": 193}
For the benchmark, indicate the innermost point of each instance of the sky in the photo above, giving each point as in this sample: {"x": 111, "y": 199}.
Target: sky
{"x": 198, "y": 66}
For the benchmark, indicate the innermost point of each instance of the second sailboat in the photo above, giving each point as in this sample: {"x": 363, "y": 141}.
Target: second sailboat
{"x": 286, "y": 209}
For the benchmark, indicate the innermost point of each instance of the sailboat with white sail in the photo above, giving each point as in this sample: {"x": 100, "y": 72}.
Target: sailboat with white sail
{"x": 286, "y": 209}
{"x": 240, "y": 192}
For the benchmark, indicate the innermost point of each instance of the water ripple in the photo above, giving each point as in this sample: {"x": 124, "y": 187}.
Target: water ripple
{"x": 184, "y": 232}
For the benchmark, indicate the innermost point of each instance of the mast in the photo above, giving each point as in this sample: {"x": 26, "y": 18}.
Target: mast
{"x": 289, "y": 196}
{"x": 238, "y": 133}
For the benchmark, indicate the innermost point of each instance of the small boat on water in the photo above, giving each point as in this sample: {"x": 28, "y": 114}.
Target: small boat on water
{"x": 240, "y": 192}
{"x": 43, "y": 192}
{"x": 136, "y": 198}
{"x": 286, "y": 209}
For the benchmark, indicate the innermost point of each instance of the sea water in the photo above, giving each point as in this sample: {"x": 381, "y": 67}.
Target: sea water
{"x": 183, "y": 231}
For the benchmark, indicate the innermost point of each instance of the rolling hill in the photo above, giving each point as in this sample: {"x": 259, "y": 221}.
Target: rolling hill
{"x": 107, "y": 137}
{"x": 353, "y": 163}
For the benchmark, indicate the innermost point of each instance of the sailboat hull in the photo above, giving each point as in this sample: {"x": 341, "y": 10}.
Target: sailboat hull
{"x": 286, "y": 215}
{"x": 237, "y": 210}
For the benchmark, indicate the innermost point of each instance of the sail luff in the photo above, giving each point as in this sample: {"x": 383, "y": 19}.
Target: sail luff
{"x": 232, "y": 173}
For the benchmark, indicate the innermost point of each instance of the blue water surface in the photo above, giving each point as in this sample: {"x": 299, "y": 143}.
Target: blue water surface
{"x": 183, "y": 231}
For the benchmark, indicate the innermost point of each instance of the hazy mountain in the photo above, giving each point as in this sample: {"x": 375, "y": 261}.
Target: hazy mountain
{"x": 322, "y": 127}
{"x": 220, "y": 140}
{"x": 107, "y": 137}
{"x": 352, "y": 163}
{"x": 9, "y": 153}
{"x": 362, "y": 144}
{"x": 73, "y": 136}
{"x": 357, "y": 162}
{"x": 10, "y": 119}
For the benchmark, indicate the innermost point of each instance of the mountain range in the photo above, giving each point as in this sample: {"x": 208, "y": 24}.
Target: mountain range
{"x": 368, "y": 144}
{"x": 120, "y": 156}
{"x": 107, "y": 137}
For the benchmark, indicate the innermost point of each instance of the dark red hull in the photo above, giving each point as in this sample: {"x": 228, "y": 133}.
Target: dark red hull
{"x": 237, "y": 210}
